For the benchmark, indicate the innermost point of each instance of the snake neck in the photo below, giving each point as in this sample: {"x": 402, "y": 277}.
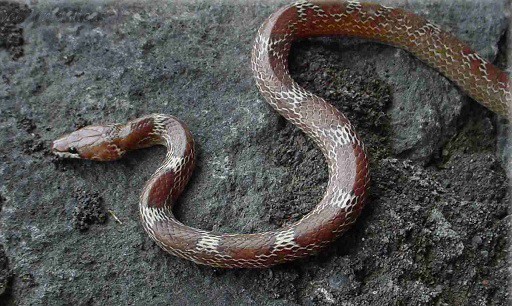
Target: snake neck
{"x": 170, "y": 179}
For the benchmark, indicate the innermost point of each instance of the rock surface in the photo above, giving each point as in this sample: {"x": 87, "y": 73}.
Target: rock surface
{"x": 436, "y": 227}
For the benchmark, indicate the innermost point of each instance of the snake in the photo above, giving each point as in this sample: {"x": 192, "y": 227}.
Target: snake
{"x": 345, "y": 154}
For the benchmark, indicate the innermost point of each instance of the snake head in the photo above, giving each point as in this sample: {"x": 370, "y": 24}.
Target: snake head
{"x": 90, "y": 142}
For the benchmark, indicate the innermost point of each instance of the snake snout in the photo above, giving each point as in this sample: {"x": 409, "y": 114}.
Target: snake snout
{"x": 78, "y": 143}
{"x": 62, "y": 147}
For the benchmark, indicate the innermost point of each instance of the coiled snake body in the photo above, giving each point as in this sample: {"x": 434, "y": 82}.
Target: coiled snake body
{"x": 344, "y": 152}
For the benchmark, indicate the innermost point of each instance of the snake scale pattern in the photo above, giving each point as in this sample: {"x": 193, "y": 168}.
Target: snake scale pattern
{"x": 332, "y": 132}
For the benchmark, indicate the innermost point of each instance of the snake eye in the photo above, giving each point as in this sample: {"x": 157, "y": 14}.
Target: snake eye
{"x": 73, "y": 150}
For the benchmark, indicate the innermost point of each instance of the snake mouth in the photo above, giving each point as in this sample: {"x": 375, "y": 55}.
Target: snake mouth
{"x": 65, "y": 154}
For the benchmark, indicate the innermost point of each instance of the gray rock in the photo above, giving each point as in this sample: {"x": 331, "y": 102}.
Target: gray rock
{"x": 88, "y": 63}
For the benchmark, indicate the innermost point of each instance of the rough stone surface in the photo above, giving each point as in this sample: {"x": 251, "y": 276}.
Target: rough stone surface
{"x": 11, "y": 34}
{"x": 435, "y": 230}
{"x": 5, "y": 276}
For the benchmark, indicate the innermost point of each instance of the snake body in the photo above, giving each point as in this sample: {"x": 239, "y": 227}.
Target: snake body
{"x": 346, "y": 191}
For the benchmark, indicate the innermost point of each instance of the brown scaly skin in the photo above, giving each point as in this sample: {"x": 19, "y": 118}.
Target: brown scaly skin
{"x": 346, "y": 193}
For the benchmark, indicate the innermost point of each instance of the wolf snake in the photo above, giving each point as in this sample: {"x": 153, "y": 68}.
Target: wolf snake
{"x": 346, "y": 191}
